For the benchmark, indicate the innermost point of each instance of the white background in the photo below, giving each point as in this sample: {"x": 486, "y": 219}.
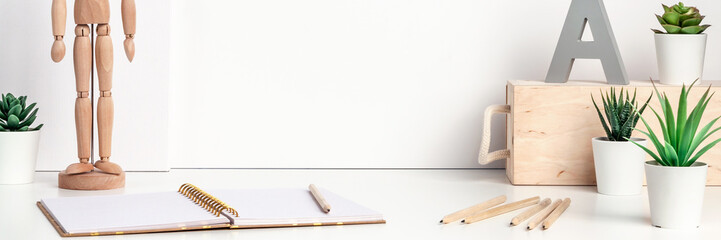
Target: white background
{"x": 375, "y": 83}
{"x": 315, "y": 83}
{"x": 140, "y": 89}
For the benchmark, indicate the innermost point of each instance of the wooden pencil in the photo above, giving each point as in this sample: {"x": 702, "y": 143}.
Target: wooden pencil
{"x": 473, "y": 209}
{"x": 530, "y": 212}
{"x": 319, "y": 198}
{"x": 543, "y": 214}
{"x": 556, "y": 213}
{"x": 501, "y": 210}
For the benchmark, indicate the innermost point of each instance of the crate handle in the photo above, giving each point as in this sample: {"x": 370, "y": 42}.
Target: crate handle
{"x": 484, "y": 157}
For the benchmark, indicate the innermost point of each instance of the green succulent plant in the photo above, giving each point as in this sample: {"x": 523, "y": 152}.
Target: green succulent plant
{"x": 15, "y": 116}
{"x": 622, "y": 113}
{"x": 680, "y": 19}
{"x": 681, "y": 133}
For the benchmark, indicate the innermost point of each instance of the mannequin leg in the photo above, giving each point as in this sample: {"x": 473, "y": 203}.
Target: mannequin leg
{"x": 104, "y": 63}
{"x": 83, "y": 108}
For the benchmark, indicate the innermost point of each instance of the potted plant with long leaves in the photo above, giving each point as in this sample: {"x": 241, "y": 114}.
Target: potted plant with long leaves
{"x": 681, "y": 49}
{"x": 618, "y": 163}
{"x": 18, "y": 140}
{"x": 676, "y": 180}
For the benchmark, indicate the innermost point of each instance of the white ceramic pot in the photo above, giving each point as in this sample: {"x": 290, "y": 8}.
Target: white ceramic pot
{"x": 676, "y": 194}
{"x": 680, "y": 57}
{"x": 619, "y": 166}
{"x": 18, "y": 155}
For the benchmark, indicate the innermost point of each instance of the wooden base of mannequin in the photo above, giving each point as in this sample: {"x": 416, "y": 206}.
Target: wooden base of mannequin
{"x": 95, "y": 180}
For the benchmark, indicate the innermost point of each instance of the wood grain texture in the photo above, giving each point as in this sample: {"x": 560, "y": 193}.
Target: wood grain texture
{"x": 82, "y": 58}
{"x": 57, "y": 51}
{"x": 92, "y": 11}
{"x": 59, "y": 14}
{"x": 525, "y": 215}
{"x": 108, "y": 167}
{"x": 466, "y": 212}
{"x": 322, "y": 203}
{"x": 105, "y": 126}
{"x": 83, "y": 127}
{"x": 551, "y": 125}
{"x": 127, "y": 11}
{"x": 129, "y": 46}
{"x": 128, "y": 14}
{"x": 94, "y": 180}
{"x": 543, "y": 214}
{"x": 104, "y": 58}
{"x": 82, "y": 167}
{"x": 556, "y": 213}
{"x": 502, "y": 210}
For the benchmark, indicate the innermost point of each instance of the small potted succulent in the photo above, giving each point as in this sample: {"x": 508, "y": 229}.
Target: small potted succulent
{"x": 676, "y": 180}
{"x": 618, "y": 163}
{"x": 18, "y": 140}
{"x": 681, "y": 49}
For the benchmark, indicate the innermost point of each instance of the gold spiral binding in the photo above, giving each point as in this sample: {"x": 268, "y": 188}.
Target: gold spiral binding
{"x": 205, "y": 200}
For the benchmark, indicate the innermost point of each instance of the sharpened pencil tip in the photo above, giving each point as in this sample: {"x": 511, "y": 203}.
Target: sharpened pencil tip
{"x": 529, "y": 228}
{"x": 463, "y": 221}
{"x": 441, "y": 221}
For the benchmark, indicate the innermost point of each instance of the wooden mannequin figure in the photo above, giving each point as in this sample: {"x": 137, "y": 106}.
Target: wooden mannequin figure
{"x": 82, "y": 175}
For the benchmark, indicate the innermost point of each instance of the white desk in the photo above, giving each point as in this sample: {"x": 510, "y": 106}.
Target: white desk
{"x": 413, "y": 201}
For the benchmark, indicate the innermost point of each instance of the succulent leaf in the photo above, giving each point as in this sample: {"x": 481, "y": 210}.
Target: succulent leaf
{"x": 691, "y": 22}
{"x": 680, "y": 19}
{"x": 15, "y": 115}
{"x": 27, "y": 110}
{"x": 704, "y": 27}
{"x": 28, "y": 121}
{"x": 39, "y": 127}
{"x": 681, "y": 139}
{"x": 671, "y": 18}
{"x": 660, "y": 20}
{"x": 15, "y": 110}
{"x": 13, "y": 122}
{"x": 22, "y": 101}
{"x": 666, "y": 8}
{"x": 691, "y": 29}
{"x": 4, "y": 105}
{"x": 621, "y": 114}
{"x": 671, "y": 28}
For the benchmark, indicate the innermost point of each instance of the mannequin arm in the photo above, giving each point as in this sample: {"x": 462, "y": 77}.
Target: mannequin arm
{"x": 128, "y": 13}
{"x": 59, "y": 14}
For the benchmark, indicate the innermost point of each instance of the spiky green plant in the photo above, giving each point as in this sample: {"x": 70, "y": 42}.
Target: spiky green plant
{"x": 15, "y": 116}
{"x": 681, "y": 135}
{"x": 680, "y": 19}
{"x": 621, "y": 114}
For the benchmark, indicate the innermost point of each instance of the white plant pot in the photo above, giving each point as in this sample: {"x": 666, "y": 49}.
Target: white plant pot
{"x": 619, "y": 166}
{"x": 676, "y": 194}
{"x": 18, "y": 156}
{"x": 680, "y": 57}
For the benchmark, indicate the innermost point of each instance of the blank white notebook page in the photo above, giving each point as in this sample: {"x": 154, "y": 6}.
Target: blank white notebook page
{"x": 258, "y": 207}
{"x": 117, "y": 213}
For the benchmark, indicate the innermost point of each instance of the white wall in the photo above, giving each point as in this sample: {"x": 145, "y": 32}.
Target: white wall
{"x": 316, "y": 83}
{"x": 139, "y": 89}
{"x": 376, "y": 83}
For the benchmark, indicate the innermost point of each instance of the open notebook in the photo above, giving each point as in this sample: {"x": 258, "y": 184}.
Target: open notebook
{"x": 193, "y": 209}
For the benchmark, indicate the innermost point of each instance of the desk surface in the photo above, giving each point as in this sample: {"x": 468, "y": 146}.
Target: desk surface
{"x": 413, "y": 201}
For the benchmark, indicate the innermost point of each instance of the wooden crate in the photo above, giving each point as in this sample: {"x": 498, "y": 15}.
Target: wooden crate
{"x": 550, "y": 127}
